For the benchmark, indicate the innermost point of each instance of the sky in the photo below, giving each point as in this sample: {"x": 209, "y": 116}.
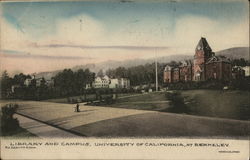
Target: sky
{"x": 46, "y": 36}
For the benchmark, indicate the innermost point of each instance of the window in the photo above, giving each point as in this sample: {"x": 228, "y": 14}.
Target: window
{"x": 215, "y": 76}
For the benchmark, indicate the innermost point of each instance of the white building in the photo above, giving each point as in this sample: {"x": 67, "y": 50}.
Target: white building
{"x": 101, "y": 82}
{"x": 88, "y": 86}
{"x": 27, "y": 82}
{"x": 114, "y": 83}
{"x": 119, "y": 83}
{"x": 247, "y": 70}
{"x": 125, "y": 83}
{"x": 49, "y": 82}
{"x": 106, "y": 82}
{"x": 39, "y": 82}
{"x": 14, "y": 87}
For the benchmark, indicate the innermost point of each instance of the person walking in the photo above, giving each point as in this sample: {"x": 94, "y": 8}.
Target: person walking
{"x": 77, "y": 107}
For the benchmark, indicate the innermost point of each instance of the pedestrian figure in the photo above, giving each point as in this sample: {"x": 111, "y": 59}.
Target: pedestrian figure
{"x": 77, "y": 107}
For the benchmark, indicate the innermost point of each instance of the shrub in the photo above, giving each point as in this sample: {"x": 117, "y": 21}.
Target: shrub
{"x": 68, "y": 100}
{"x": 82, "y": 99}
{"x": 73, "y": 100}
{"x": 8, "y": 123}
{"x": 109, "y": 100}
{"x": 177, "y": 103}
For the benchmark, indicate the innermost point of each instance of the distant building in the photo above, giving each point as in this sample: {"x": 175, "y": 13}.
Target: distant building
{"x": 115, "y": 83}
{"x": 27, "y": 82}
{"x": 49, "y": 82}
{"x": 186, "y": 71}
{"x": 176, "y": 74}
{"x": 203, "y": 53}
{"x": 39, "y": 81}
{"x": 168, "y": 75}
{"x": 119, "y": 83}
{"x": 14, "y": 87}
{"x": 219, "y": 68}
{"x": 106, "y": 82}
{"x": 204, "y": 66}
{"x": 101, "y": 82}
{"x": 238, "y": 72}
{"x": 247, "y": 70}
{"x": 88, "y": 86}
{"x": 125, "y": 83}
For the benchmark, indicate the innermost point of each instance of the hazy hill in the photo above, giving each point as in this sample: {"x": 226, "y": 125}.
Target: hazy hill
{"x": 233, "y": 53}
{"x": 114, "y": 64}
{"x": 237, "y": 52}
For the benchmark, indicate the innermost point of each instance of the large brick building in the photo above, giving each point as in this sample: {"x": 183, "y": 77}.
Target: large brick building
{"x": 205, "y": 65}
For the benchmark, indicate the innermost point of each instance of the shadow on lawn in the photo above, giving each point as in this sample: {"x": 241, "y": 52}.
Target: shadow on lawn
{"x": 177, "y": 104}
{"x": 209, "y": 103}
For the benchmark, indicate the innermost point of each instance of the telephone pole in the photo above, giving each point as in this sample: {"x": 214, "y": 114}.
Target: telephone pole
{"x": 156, "y": 72}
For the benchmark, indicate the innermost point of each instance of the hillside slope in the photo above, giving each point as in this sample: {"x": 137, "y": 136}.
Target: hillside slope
{"x": 232, "y": 53}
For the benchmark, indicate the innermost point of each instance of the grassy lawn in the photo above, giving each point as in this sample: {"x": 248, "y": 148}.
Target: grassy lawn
{"x": 150, "y": 101}
{"x": 217, "y": 103}
{"x": 154, "y": 96}
{"x": 211, "y": 103}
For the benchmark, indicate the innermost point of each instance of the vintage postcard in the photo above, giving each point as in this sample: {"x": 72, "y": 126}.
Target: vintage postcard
{"x": 125, "y": 79}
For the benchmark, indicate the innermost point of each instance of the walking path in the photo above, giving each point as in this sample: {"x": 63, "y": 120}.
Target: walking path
{"x": 42, "y": 130}
{"x": 47, "y": 119}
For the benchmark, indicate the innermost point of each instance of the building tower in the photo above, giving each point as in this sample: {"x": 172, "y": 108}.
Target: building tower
{"x": 202, "y": 53}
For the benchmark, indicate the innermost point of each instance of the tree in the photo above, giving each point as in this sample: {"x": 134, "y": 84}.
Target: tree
{"x": 173, "y": 64}
{"x": 9, "y": 124}
{"x": 64, "y": 81}
{"x": 100, "y": 73}
{"x": 6, "y": 83}
{"x": 20, "y": 78}
{"x": 68, "y": 83}
{"x": 240, "y": 62}
{"x": 121, "y": 72}
{"x": 110, "y": 73}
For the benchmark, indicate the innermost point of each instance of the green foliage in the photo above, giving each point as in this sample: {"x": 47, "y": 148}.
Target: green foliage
{"x": 109, "y": 100}
{"x": 73, "y": 100}
{"x": 240, "y": 62}
{"x": 5, "y": 85}
{"x": 176, "y": 102}
{"x": 8, "y": 123}
{"x": 241, "y": 84}
{"x": 19, "y": 79}
{"x": 69, "y": 83}
{"x": 100, "y": 73}
{"x": 68, "y": 100}
{"x": 82, "y": 99}
{"x": 138, "y": 75}
{"x": 211, "y": 84}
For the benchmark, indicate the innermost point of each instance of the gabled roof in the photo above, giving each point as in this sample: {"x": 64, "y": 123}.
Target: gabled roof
{"x": 102, "y": 78}
{"x": 203, "y": 44}
{"x": 186, "y": 63}
{"x": 168, "y": 68}
{"x": 218, "y": 59}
